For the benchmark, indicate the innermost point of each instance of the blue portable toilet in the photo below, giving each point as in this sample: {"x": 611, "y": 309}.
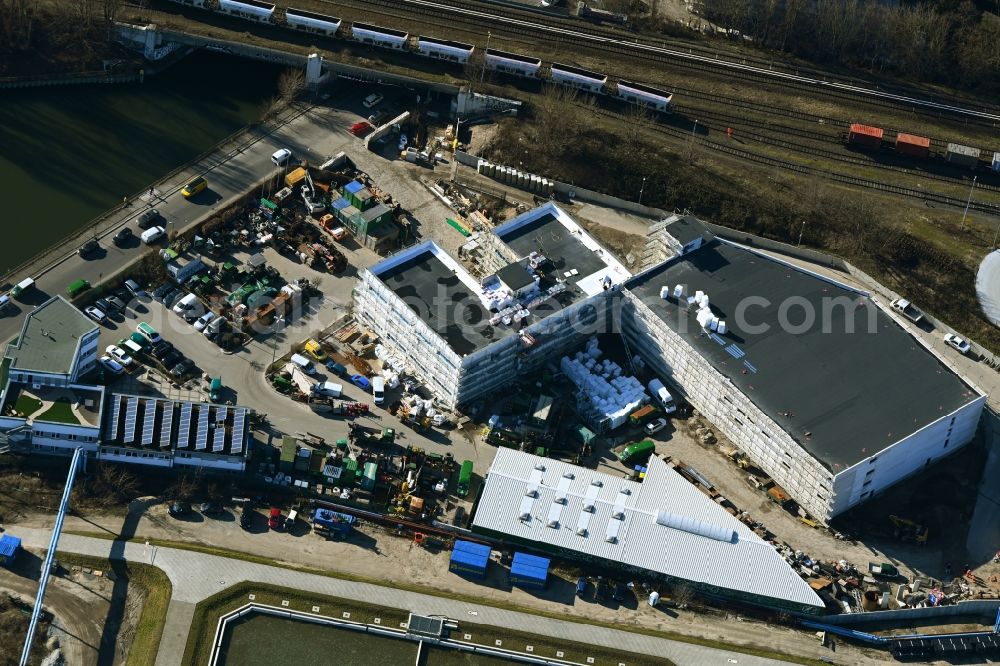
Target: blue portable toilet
{"x": 470, "y": 558}
{"x": 9, "y": 547}
{"x": 529, "y": 570}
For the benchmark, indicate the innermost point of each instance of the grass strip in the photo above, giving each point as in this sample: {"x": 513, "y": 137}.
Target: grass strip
{"x": 146, "y": 642}
{"x": 420, "y": 589}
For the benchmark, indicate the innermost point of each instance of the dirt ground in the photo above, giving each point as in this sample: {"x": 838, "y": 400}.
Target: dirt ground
{"x": 81, "y": 603}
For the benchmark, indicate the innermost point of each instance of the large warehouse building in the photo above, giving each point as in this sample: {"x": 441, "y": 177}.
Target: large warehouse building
{"x": 663, "y": 528}
{"x": 817, "y": 382}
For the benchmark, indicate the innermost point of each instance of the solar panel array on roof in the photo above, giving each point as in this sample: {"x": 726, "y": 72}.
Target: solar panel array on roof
{"x": 239, "y": 426}
{"x": 201, "y": 441}
{"x": 130, "y": 417}
{"x": 115, "y": 428}
{"x": 425, "y": 626}
{"x": 166, "y": 424}
{"x": 149, "y": 420}
{"x": 184, "y": 432}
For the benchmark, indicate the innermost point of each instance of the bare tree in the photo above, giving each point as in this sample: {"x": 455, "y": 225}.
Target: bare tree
{"x": 291, "y": 83}
{"x": 111, "y": 8}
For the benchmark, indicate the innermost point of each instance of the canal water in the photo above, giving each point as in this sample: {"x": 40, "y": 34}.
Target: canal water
{"x": 265, "y": 640}
{"x": 69, "y": 153}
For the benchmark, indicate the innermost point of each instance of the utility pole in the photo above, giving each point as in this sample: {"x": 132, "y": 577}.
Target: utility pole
{"x": 969, "y": 201}
{"x": 802, "y": 231}
{"x": 694, "y": 130}
{"x": 641, "y": 189}
{"x": 482, "y": 74}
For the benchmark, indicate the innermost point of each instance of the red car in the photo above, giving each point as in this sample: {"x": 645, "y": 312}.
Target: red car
{"x": 361, "y": 129}
{"x": 274, "y": 519}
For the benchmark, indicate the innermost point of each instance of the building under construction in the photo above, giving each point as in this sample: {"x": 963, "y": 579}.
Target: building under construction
{"x": 835, "y": 410}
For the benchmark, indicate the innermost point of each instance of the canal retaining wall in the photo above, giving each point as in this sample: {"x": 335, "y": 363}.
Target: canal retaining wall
{"x": 72, "y": 78}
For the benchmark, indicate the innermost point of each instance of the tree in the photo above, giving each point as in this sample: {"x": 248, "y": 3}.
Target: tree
{"x": 291, "y": 83}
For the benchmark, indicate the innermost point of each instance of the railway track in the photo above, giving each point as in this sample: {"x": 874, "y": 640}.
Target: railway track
{"x": 645, "y": 51}
{"x": 943, "y": 199}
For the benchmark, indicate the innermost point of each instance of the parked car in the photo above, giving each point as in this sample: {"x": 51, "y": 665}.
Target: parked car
{"x": 179, "y": 508}
{"x": 581, "y": 586}
{"x": 214, "y": 327}
{"x": 119, "y": 355}
{"x": 152, "y": 235}
{"x": 171, "y": 359}
{"x": 211, "y": 507}
{"x": 182, "y": 368}
{"x": 123, "y": 236}
{"x": 957, "y": 343}
{"x": 96, "y": 314}
{"x": 274, "y": 521}
{"x": 203, "y": 321}
{"x": 161, "y": 349}
{"x": 336, "y": 368}
{"x": 104, "y": 305}
{"x": 134, "y": 288}
{"x": 197, "y": 185}
{"x": 372, "y": 100}
{"x": 162, "y": 291}
{"x": 89, "y": 247}
{"x": 281, "y": 156}
{"x": 246, "y": 517}
{"x": 361, "y": 382}
{"x": 656, "y": 426}
{"x": 148, "y": 218}
{"x": 118, "y": 302}
{"x": 112, "y": 365}
{"x": 172, "y": 297}
{"x": 314, "y": 349}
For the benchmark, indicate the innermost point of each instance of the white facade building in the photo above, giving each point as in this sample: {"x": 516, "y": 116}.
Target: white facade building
{"x": 57, "y": 345}
{"x": 544, "y": 292}
{"x": 817, "y": 382}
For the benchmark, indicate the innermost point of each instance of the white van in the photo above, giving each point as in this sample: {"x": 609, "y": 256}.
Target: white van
{"x": 22, "y": 286}
{"x": 378, "y": 389}
{"x": 187, "y": 303}
{"x": 329, "y": 389}
{"x": 304, "y": 363}
{"x": 152, "y": 235}
{"x": 4, "y": 302}
{"x": 662, "y": 395}
{"x": 131, "y": 347}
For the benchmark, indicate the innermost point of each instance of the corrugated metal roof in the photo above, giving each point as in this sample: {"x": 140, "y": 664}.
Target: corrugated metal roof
{"x": 9, "y": 545}
{"x": 744, "y": 563}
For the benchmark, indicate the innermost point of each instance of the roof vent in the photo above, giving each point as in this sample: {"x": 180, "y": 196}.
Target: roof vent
{"x": 525, "y": 516}
{"x": 568, "y": 475}
{"x": 581, "y": 531}
{"x": 625, "y": 491}
{"x": 698, "y": 527}
{"x": 531, "y": 492}
{"x": 560, "y": 500}
{"x": 618, "y": 515}
{"x": 588, "y": 506}
{"x": 554, "y": 524}
{"x": 540, "y": 467}
{"x": 612, "y": 539}
{"x": 597, "y": 482}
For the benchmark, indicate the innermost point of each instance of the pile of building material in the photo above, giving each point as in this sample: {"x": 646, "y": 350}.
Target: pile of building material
{"x": 606, "y": 397}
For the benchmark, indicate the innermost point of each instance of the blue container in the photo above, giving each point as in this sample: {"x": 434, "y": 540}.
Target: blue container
{"x": 529, "y": 570}
{"x": 340, "y": 523}
{"x": 470, "y": 559}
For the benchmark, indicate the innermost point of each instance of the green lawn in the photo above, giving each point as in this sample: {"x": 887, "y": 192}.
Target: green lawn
{"x": 59, "y": 412}
{"x": 27, "y": 405}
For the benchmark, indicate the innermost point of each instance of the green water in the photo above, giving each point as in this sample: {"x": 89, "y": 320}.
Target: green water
{"x": 69, "y": 153}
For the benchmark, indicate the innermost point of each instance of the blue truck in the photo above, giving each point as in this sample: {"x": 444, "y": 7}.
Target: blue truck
{"x": 337, "y": 524}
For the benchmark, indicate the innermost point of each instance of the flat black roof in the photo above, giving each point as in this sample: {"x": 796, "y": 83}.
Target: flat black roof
{"x": 548, "y": 236}
{"x": 255, "y": 3}
{"x": 437, "y": 295}
{"x": 646, "y": 89}
{"x": 515, "y": 276}
{"x": 687, "y": 229}
{"x": 445, "y": 42}
{"x": 842, "y": 395}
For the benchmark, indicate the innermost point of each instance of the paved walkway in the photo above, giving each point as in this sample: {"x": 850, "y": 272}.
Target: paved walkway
{"x": 196, "y": 576}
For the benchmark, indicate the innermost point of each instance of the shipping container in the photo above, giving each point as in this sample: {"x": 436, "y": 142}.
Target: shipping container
{"x": 865, "y": 136}
{"x": 339, "y": 523}
{"x": 295, "y": 177}
{"x": 470, "y": 558}
{"x": 913, "y": 145}
{"x": 963, "y": 156}
{"x": 464, "y": 479}
{"x": 529, "y": 570}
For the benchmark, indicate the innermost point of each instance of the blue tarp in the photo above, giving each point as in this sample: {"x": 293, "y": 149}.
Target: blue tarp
{"x": 341, "y": 203}
{"x": 529, "y": 570}
{"x": 469, "y": 558}
{"x": 354, "y": 187}
{"x": 9, "y": 545}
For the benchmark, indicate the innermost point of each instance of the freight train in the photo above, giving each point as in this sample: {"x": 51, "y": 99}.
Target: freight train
{"x": 919, "y": 147}
{"x": 441, "y": 49}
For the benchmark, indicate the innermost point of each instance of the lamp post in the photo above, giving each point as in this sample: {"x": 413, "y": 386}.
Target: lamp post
{"x": 641, "y": 189}
{"x": 967, "y": 203}
{"x": 482, "y": 74}
{"x": 802, "y": 231}
{"x": 694, "y": 130}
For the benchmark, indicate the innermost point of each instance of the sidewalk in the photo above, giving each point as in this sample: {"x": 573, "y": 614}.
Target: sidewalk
{"x": 196, "y": 576}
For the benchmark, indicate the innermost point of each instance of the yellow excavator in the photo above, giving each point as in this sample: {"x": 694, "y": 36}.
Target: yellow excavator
{"x": 909, "y": 530}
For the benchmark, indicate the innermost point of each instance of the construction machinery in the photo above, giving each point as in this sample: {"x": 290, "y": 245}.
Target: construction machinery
{"x": 905, "y": 529}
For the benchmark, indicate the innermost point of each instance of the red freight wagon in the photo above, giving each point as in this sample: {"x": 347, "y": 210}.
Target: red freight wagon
{"x": 912, "y": 145}
{"x": 863, "y": 135}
